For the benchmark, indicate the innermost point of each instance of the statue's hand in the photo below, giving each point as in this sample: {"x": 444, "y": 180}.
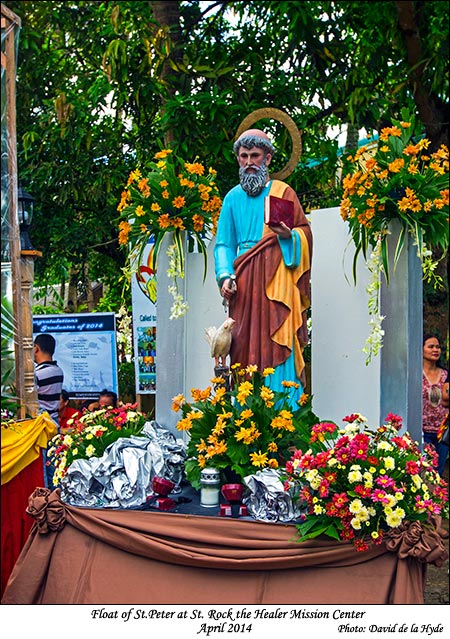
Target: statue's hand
{"x": 282, "y": 230}
{"x": 229, "y": 288}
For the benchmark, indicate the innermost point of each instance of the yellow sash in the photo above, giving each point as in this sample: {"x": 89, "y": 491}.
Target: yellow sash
{"x": 283, "y": 288}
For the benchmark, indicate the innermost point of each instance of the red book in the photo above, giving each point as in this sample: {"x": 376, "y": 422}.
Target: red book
{"x": 277, "y": 210}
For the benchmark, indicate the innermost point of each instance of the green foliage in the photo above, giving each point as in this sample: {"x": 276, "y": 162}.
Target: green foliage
{"x": 100, "y": 87}
{"x": 127, "y": 381}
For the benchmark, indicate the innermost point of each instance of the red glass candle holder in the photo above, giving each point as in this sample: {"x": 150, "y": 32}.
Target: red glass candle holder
{"x": 233, "y": 492}
{"x": 162, "y": 486}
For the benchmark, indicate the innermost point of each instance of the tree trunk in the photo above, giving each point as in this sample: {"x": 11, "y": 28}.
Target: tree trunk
{"x": 352, "y": 139}
{"x": 430, "y": 113}
{"x": 167, "y": 15}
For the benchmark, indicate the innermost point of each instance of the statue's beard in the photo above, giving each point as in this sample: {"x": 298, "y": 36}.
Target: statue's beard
{"x": 253, "y": 183}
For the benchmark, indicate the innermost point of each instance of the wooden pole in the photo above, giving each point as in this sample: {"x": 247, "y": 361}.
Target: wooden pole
{"x": 10, "y": 22}
{"x": 29, "y": 387}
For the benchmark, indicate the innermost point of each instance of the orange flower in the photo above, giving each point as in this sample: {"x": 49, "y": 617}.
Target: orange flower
{"x": 179, "y": 202}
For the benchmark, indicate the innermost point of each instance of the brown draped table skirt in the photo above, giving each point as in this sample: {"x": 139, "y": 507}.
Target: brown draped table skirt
{"x": 100, "y": 556}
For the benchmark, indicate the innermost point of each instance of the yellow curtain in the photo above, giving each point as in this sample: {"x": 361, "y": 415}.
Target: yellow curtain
{"x": 21, "y": 443}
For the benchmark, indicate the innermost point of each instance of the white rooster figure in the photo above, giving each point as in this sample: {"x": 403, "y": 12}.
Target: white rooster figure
{"x": 219, "y": 340}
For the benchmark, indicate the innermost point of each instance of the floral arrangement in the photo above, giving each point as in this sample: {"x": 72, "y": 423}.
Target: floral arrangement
{"x": 171, "y": 196}
{"x": 398, "y": 180}
{"x": 90, "y": 435}
{"x": 244, "y": 429}
{"x": 357, "y": 484}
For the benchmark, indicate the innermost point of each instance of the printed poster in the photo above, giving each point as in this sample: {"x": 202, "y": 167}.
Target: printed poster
{"x": 86, "y": 350}
{"x": 143, "y": 296}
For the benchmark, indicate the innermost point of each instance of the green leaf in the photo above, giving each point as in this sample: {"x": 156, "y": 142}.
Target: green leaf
{"x": 400, "y": 243}
{"x": 385, "y": 258}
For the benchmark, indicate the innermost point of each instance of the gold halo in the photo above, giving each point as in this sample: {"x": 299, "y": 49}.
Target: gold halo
{"x": 293, "y": 130}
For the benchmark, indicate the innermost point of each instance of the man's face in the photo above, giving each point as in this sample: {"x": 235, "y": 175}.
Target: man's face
{"x": 252, "y": 159}
{"x": 253, "y": 171}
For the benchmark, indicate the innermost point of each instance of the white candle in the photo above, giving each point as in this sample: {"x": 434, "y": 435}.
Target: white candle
{"x": 209, "y": 496}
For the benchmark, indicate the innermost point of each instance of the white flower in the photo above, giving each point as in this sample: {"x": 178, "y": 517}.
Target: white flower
{"x": 318, "y": 509}
{"x": 354, "y": 476}
{"x": 355, "y": 523}
{"x": 395, "y": 518}
{"x": 374, "y": 341}
{"x": 356, "y": 506}
{"x": 383, "y": 445}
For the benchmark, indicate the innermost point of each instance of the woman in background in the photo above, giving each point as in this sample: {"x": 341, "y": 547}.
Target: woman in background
{"x": 433, "y": 409}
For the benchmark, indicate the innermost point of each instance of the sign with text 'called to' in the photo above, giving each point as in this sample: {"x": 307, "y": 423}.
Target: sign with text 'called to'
{"x": 86, "y": 350}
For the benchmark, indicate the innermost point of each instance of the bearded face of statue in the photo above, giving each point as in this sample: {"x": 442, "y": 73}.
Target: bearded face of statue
{"x": 254, "y": 182}
{"x": 253, "y": 169}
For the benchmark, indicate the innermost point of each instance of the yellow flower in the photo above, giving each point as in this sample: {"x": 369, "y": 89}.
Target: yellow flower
{"x": 290, "y": 384}
{"x": 155, "y": 207}
{"x": 243, "y": 392}
{"x": 259, "y": 459}
{"x": 134, "y": 176}
{"x": 162, "y": 154}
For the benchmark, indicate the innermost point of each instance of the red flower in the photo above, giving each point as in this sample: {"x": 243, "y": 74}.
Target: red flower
{"x": 331, "y": 509}
{"x": 339, "y": 499}
{"x": 394, "y": 420}
{"x": 362, "y": 491}
{"x": 361, "y": 545}
{"x": 289, "y": 467}
{"x": 324, "y": 488}
{"x": 412, "y": 467}
{"x": 347, "y": 534}
{"x": 351, "y": 418}
{"x": 401, "y": 442}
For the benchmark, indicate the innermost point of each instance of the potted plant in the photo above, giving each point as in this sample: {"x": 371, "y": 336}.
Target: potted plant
{"x": 244, "y": 429}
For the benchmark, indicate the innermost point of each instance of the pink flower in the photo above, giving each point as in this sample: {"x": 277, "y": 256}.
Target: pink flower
{"x": 385, "y": 481}
{"x": 380, "y": 495}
